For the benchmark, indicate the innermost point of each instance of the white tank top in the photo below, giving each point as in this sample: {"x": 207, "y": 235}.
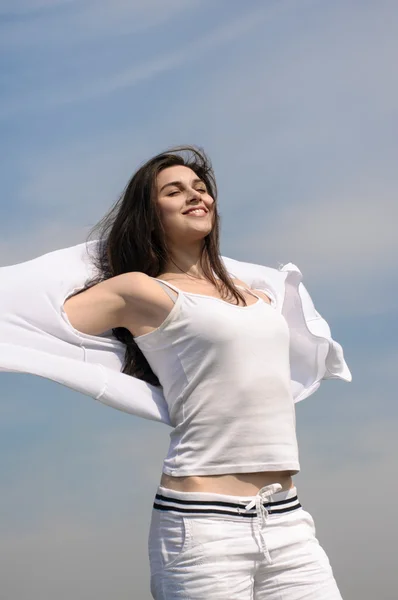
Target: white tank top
{"x": 226, "y": 379}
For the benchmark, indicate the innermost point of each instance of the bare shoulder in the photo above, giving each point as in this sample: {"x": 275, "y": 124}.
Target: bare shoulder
{"x": 134, "y": 281}
{"x": 146, "y": 303}
{"x": 143, "y": 295}
{"x": 136, "y": 286}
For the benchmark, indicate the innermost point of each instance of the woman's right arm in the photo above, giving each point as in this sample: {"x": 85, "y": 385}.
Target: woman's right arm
{"x": 106, "y": 305}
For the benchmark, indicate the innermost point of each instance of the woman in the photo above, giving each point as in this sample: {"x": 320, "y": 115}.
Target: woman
{"x": 226, "y": 521}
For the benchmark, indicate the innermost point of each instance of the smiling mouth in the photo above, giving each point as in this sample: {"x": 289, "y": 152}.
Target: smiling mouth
{"x": 197, "y": 212}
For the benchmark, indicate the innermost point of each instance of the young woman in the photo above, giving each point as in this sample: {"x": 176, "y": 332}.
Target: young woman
{"x": 226, "y": 521}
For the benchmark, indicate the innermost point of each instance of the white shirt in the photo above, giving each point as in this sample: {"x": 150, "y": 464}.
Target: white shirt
{"x": 225, "y": 375}
{"x": 37, "y": 338}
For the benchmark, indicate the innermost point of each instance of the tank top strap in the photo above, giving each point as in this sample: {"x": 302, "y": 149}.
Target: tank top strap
{"x": 166, "y": 286}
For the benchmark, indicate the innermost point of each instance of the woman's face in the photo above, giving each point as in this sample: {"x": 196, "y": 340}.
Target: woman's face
{"x": 179, "y": 192}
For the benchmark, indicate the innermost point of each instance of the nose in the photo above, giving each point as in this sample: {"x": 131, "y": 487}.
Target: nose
{"x": 193, "y": 197}
{"x": 195, "y": 194}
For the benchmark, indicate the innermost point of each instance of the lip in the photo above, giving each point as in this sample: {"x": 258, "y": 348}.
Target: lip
{"x": 195, "y": 208}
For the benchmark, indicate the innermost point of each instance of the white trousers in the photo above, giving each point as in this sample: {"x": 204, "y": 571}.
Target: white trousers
{"x": 206, "y": 546}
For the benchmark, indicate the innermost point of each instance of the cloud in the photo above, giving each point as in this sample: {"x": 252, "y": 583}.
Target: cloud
{"x": 51, "y": 235}
{"x": 17, "y": 8}
{"x": 64, "y": 23}
{"x": 299, "y": 128}
{"x": 294, "y": 202}
{"x": 81, "y": 87}
{"x": 340, "y": 236}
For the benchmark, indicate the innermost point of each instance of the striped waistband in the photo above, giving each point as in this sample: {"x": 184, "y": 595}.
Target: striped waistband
{"x": 196, "y": 503}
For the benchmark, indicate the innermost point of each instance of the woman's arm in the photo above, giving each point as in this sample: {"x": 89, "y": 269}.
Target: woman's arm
{"x": 99, "y": 308}
{"x": 130, "y": 300}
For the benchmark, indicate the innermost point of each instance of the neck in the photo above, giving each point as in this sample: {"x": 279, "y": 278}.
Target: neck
{"x": 185, "y": 261}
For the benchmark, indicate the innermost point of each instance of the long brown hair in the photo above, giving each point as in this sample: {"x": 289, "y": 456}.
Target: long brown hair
{"x": 132, "y": 238}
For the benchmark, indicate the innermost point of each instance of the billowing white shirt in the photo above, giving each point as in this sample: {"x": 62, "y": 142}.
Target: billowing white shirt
{"x": 37, "y": 338}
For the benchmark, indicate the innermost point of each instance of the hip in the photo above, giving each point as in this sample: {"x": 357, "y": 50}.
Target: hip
{"x": 205, "y": 545}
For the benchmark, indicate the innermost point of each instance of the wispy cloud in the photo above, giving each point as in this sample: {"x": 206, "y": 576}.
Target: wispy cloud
{"x": 347, "y": 227}
{"x": 65, "y": 23}
{"x": 51, "y": 236}
{"x": 345, "y": 214}
{"x": 295, "y": 103}
{"x": 17, "y": 8}
{"x": 81, "y": 89}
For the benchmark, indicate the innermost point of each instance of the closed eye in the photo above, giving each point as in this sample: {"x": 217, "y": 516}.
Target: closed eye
{"x": 202, "y": 191}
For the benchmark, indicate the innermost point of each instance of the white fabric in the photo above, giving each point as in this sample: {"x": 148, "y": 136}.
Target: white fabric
{"x": 225, "y": 375}
{"x": 36, "y": 337}
{"x": 199, "y": 548}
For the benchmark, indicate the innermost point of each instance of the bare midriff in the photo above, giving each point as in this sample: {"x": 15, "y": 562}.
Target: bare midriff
{"x": 234, "y": 484}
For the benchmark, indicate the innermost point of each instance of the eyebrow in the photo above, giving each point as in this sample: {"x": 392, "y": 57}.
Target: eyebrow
{"x": 178, "y": 183}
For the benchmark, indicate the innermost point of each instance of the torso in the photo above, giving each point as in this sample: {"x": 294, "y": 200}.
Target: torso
{"x": 235, "y": 484}
{"x": 244, "y": 484}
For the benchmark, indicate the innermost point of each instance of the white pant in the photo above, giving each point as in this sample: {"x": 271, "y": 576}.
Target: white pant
{"x": 206, "y": 546}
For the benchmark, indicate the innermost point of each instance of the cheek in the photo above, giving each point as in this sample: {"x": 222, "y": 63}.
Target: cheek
{"x": 212, "y": 207}
{"x": 168, "y": 212}
{"x": 211, "y": 203}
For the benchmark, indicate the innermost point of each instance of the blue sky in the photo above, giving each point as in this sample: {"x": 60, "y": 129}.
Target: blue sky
{"x": 296, "y": 104}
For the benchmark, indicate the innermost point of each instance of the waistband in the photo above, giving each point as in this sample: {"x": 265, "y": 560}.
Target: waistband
{"x": 197, "y": 503}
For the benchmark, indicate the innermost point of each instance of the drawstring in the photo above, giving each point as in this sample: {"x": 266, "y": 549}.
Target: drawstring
{"x": 262, "y": 513}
